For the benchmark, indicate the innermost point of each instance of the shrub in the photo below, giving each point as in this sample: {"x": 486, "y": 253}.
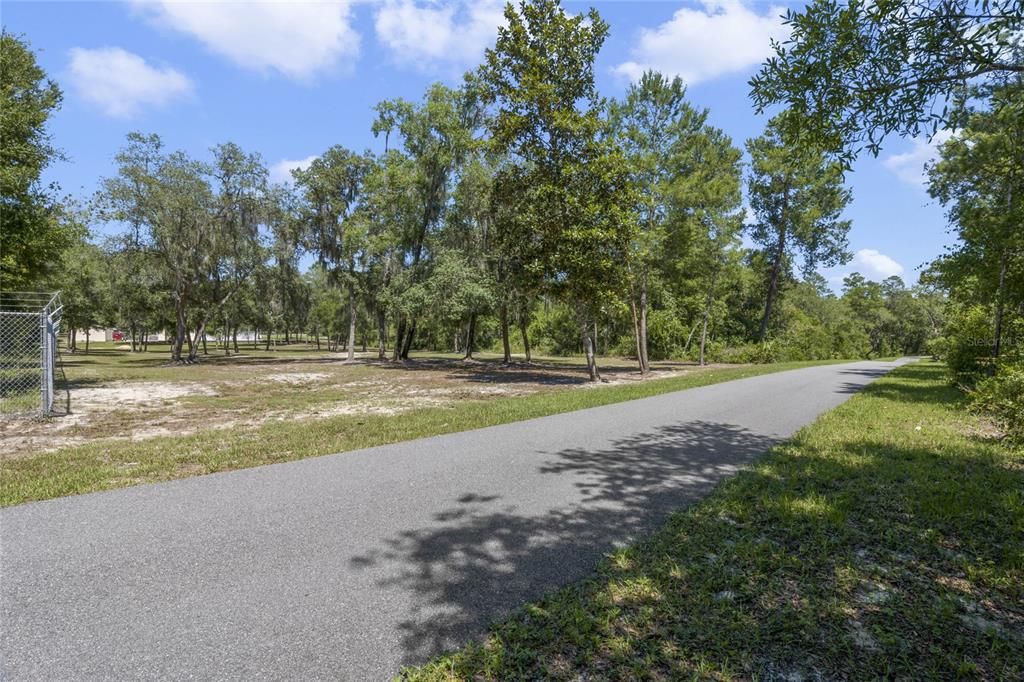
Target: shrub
{"x": 555, "y": 330}
{"x": 805, "y": 339}
{"x": 969, "y": 345}
{"x": 938, "y": 347}
{"x": 1002, "y": 396}
{"x": 761, "y": 354}
{"x": 666, "y": 335}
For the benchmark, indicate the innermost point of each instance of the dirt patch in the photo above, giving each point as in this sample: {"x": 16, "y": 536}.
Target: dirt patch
{"x": 126, "y": 401}
{"x": 297, "y": 378}
{"x": 247, "y": 392}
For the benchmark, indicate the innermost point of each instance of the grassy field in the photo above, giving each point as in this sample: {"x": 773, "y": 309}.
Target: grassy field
{"x": 884, "y": 541}
{"x": 231, "y": 413}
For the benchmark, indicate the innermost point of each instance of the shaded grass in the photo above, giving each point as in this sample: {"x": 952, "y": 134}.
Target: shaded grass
{"x": 102, "y": 466}
{"x": 883, "y": 541}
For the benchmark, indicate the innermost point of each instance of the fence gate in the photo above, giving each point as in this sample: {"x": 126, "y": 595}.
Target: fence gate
{"x": 29, "y": 329}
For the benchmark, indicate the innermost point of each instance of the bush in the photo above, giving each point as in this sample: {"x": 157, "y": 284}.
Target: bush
{"x": 969, "y": 345}
{"x": 805, "y": 339}
{"x": 666, "y": 335}
{"x": 1002, "y": 396}
{"x": 938, "y": 347}
{"x": 555, "y": 330}
{"x": 751, "y": 353}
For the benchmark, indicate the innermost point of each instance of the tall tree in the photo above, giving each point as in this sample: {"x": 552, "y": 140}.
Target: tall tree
{"x": 85, "y": 288}
{"x": 797, "y": 196}
{"x": 234, "y": 248}
{"x": 689, "y": 182}
{"x": 332, "y": 186}
{"x": 979, "y": 177}
{"x": 34, "y": 230}
{"x": 436, "y": 135}
{"x": 854, "y": 72}
{"x": 206, "y": 239}
{"x": 567, "y": 188}
{"x": 390, "y": 209}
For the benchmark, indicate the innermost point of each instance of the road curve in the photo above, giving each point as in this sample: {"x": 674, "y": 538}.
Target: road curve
{"x": 349, "y": 566}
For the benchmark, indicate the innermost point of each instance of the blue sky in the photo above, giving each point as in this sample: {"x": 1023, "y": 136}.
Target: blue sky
{"x": 288, "y": 80}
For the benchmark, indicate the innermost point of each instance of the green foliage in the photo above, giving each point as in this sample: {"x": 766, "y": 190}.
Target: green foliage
{"x": 519, "y": 206}
{"x": 555, "y": 329}
{"x": 666, "y": 334}
{"x": 968, "y": 345}
{"x": 199, "y": 221}
{"x": 797, "y": 196}
{"x": 567, "y": 191}
{"x": 687, "y": 175}
{"x": 856, "y": 71}
{"x": 34, "y": 229}
{"x": 1002, "y": 396}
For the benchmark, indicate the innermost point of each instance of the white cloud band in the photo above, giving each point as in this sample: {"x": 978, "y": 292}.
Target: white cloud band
{"x": 723, "y": 37}
{"x": 297, "y": 39}
{"x": 121, "y": 83}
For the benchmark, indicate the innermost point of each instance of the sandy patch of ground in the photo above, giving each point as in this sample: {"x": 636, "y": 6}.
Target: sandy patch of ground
{"x": 296, "y": 378}
{"x": 619, "y": 378}
{"x": 140, "y": 399}
{"x": 248, "y": 397}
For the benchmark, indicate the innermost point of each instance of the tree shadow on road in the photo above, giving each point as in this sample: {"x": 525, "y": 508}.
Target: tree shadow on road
{"x": 483, "y": 557}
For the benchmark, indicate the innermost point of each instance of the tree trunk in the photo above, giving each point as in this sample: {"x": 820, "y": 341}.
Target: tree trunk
{"x": 351, "y": 320}
{"x": 645, "y": 365}
{"x": 773, "y": 284}
{"x": 997, "y": 342}
{"x": 180, "y": 332}
{"x": 588, "y": 348}
{"x": 407, "y": 346}
{"x": 524, "y": 330}
{"x": 74, "y": 340}
{"x": 87, "y": 333}
{"x": 234, "y": 337}
{"x": 707, "y": 313}
{"x": 470, "y": 334}
{"x": 504, "y": 333}
{"x": 382, "y": 334}
{"x": 636, "y": 332}
{"x": 399, "y": 339}
{"x": 200, "y": 336}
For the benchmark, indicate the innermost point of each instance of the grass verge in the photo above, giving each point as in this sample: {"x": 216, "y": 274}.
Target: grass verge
{"x": 884, "y": 541}
{"x": 103, "y": 466}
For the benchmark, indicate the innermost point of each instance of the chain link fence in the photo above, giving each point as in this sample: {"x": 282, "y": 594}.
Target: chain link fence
{"x": 29, "y": 329}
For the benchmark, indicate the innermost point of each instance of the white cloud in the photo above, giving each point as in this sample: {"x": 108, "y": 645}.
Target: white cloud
{"x": 723, "y": 37}
{"x": 909, "y": 166}
{"x": 121, "y": 83}
{"x": 296, "y": 39}
{"x": 282, "y": 170}
{"x": 428, "y": 35}
{"x": 874, "y": 265}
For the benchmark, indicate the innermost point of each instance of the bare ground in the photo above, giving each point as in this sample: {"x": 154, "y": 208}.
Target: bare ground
{"x": 121, "y": 398}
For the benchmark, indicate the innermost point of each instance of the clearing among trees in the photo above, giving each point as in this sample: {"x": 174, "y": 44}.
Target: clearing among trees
{"x": 120, "y": 396}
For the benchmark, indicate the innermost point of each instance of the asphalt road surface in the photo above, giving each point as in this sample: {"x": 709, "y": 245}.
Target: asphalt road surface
{"x": 351, "y": 565}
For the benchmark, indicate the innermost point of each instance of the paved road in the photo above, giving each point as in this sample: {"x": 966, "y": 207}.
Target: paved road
{"x": 351, "y": 565}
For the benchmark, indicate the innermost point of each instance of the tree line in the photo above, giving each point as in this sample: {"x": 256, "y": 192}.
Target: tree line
{"x": 519, "y": 210}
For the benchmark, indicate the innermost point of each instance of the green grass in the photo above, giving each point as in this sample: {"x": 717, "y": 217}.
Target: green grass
{"x": 114, "y": 464}
{"x": 884, "y": 541}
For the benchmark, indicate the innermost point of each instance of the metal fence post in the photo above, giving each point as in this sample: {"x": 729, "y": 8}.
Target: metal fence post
{"x": 29, "y": 331}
